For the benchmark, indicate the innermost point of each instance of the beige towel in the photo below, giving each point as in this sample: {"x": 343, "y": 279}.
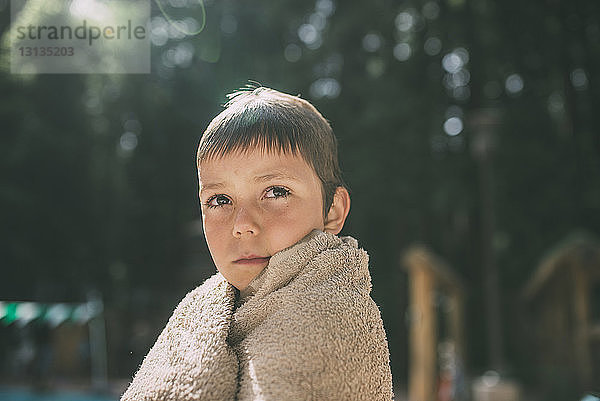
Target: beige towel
{"x": 310, "y": 332}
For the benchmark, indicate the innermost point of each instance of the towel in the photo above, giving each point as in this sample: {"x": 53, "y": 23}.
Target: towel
{"x": 309, "y": 331}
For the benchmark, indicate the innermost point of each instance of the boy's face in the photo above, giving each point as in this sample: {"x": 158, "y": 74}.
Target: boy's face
{"x": 255, "y": 204}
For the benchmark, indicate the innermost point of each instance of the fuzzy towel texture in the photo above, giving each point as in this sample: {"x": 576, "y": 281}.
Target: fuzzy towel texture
{"x": 310, "y": 331}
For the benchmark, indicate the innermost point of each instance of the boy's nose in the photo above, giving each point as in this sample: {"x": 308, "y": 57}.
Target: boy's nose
{"x": 244, "y": 223}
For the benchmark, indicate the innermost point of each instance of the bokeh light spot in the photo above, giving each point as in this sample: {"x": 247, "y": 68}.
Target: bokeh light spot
{"x": 514, "y": 84}
{"x": 491, "y": 378}
{"x": 90, "y": 9}
{"x": 325, "y": 87}
{"x": 132, "y": 125}
{"x": 371, "y": 42}
{"x": 452, "y": 62}
{"x": 402, "y": 51}
{"x": 404, "y": 21}
{"x": 26, "y": 312}
{"x": 457, "y": 79}
{"x": 57, "y": 314}
{"x": 325, "y": 7}
{"x": 432, "y": 46}
{"x": 463, "y": 54}
{"x": 431, "y": 10}
{"x": 158, "y": 31}
{"x": 292, "y": 52}
{"x": 308, "y": 33}
{"x": 176, "y": 29}
{"x": 128, "y": 141}
{"x": 190, "y": 24}
{"x": 318, "y": 20}
{"x": 181, "y": 55}
{"x": 453, "y": 126}
{"x": 579, "y": 79}
{"x": 462, "y": 93}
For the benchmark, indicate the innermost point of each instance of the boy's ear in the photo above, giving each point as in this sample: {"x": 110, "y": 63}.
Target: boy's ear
{"x": 336, "y": 217}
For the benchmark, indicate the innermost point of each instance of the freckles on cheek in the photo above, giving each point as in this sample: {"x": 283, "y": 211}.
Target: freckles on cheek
{"x": 217, "y": 244}
{"x": 278, "y": 212}
{"x": 214, "y": 229}
{"x": 288, "y": 217}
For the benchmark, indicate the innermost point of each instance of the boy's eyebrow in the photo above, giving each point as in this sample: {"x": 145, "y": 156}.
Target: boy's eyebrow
{"x": 258, "y": 178}
{"x": 274, "y": 176}
{"x": 215, "y": 185}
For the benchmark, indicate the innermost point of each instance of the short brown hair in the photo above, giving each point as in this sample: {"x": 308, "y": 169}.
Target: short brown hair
{"x": 260, "y": 117}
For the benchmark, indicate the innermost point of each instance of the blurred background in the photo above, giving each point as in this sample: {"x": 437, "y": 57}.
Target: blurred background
{"x": 469, "y": 135}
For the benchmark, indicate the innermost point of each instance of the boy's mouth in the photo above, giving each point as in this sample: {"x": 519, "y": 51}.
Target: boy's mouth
{"x": 252, "y": 259}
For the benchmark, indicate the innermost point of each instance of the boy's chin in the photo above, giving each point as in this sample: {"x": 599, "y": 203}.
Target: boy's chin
{"x": 241, "y": 283}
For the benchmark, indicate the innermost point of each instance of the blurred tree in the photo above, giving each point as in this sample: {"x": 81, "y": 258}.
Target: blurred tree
{"x": 98, "y": 176}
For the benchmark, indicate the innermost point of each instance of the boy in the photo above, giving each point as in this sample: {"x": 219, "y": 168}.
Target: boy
{"x": 288, "y": 316}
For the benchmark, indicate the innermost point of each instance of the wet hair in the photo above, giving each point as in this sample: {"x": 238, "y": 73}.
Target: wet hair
{"x": 266, "y": 119}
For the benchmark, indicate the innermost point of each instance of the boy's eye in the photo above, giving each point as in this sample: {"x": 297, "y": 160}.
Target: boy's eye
{"x": 217, "y": 200}
{"x": 277, "y": 192}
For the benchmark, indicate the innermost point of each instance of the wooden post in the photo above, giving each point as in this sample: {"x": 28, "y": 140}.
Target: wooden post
{"x": 429, "y": 275}
{"x": 581, "y": 342}
{"x": 422, "y": 336}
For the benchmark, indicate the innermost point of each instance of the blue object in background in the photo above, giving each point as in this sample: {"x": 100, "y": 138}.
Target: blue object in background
{"x": 30, "y": 395}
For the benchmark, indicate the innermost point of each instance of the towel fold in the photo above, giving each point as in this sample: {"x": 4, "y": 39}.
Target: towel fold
{"x": 310, "y": 331}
